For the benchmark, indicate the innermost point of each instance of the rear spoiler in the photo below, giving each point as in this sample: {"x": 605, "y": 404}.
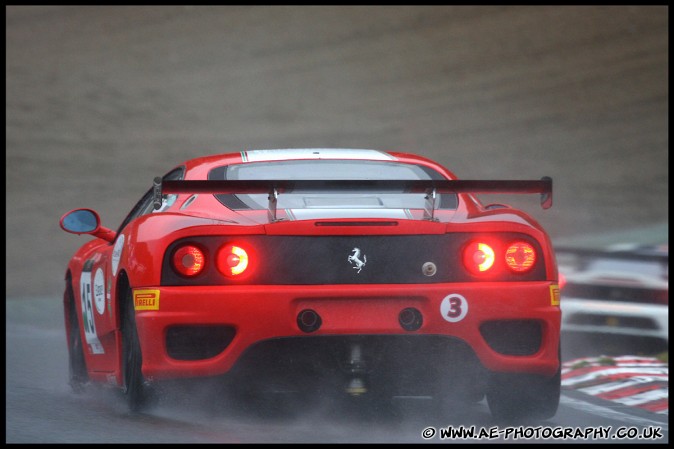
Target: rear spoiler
{"x": 429, "y": 187}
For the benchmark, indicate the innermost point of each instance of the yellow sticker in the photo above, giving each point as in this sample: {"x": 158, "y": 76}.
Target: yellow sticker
{"x": 554, "y": 295}
{"x": 146, "y": 299}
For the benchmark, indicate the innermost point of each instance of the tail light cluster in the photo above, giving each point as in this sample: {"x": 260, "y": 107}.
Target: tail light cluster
{"x": 481, "y": 257}
{"x": 232, "y": 260}
{"x": 459, "y": 257}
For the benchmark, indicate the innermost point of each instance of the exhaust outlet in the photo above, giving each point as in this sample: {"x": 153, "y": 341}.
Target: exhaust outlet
{"x": 308, "y": 321}
{"x": 410, "y": 319}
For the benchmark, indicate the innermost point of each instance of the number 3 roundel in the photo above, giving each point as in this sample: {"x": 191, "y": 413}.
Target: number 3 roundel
{"x": 454, "y": 308}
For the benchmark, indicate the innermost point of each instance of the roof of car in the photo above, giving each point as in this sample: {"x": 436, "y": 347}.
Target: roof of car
{"x": 198, "y": 168}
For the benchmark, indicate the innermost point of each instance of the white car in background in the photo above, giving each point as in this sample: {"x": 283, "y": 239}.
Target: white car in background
{"x": 615, "y": 295}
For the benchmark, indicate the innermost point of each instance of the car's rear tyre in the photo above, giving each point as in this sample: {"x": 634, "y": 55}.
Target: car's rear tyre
{"x": 77, "y": 368}
{"x": 135, "y": 388}
{"x": 514, "y": 397}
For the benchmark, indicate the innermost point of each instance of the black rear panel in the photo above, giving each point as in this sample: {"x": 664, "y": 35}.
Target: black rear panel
{"x": 311, "y": 260}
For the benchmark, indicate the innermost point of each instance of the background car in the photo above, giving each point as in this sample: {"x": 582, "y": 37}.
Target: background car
{"x": 357, "y": 272}
{"x": 615, "y": 301}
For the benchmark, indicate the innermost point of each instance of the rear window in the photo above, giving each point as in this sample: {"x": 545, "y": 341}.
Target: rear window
{"x": 330, "y": 170}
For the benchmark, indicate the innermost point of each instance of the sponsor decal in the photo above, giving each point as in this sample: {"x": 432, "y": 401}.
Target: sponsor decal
{"x": 453, "y": 308}
{"x": 117, "y": 254}
{"x": 354, "y": 260}
{"x": 554, "y": 295}
{"x": 99, "y": 291}
{"x": 146, "y": 299}
{"x": 86, "y": 295}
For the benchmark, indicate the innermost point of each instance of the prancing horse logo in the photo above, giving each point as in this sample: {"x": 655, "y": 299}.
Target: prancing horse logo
{"x": 355, "y": 259}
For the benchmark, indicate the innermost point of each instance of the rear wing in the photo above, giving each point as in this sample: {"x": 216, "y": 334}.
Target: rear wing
{"x": 429, "y": 187}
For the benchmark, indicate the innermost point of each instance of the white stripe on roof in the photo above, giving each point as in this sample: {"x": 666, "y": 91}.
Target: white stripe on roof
{"x": 313, "y": 153}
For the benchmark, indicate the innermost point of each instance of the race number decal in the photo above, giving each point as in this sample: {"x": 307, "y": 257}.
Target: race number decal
{"x": 86, "y": 295}
{"x": 454, "y": 308}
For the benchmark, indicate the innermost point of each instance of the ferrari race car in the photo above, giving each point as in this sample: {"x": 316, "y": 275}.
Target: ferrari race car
{"x": 355, "y": 271}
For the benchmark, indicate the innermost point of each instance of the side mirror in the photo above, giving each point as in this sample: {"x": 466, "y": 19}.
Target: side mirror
{"x": 85, "y": 221}
{"x": 496, "y": 206}
{"x": 80, "y": 221}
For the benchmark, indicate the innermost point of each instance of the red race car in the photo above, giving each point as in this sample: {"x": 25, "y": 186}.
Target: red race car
{"x": 358, "y": 271}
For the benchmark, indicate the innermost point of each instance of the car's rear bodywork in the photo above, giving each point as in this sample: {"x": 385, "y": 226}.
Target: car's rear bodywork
{"x": 288, "y": 274}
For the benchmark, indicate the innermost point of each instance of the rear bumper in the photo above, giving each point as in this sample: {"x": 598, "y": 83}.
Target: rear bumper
{"x": 477, "y": 314}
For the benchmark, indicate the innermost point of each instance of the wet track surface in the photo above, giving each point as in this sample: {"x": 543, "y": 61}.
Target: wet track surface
{"x": 41, "y": 408}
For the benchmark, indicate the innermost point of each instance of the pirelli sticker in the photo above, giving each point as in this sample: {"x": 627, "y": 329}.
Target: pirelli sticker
{"x": 554, "y": 295}
{"x": 146, "y": 299}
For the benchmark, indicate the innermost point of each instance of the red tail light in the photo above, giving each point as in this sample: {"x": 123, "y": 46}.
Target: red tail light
{"x": 520, "y": 257}
{"x": 188, "y": 260}
{"x": 478, "y": 257}
{"x": 233, "y": 260}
